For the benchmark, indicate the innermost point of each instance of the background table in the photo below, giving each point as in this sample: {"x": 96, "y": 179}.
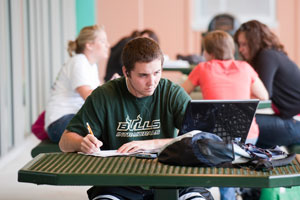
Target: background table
{"x": 185, "y": 70}
{"x": 76, "y": 169}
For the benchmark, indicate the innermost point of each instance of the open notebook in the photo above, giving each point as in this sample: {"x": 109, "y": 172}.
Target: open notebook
{"x": 229, "y": 119}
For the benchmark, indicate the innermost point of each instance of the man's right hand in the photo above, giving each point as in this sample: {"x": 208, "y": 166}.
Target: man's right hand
{"x": 90, "y": 144}
{"x": 73, "y": 142}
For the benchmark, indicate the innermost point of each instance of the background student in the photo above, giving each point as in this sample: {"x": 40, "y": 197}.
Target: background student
{"x": 114, "y": 63}
{"x": 76, "y": 79}
{"x": 137, "y": 111}
{"x": 262, "y": 49}
{"x": 222, "y": 77}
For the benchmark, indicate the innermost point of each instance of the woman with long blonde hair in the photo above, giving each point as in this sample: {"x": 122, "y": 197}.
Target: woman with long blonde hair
{"x": 76, "y": 79}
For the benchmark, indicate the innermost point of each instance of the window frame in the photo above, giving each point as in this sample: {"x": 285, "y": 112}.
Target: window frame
{"x": 200, "y": 21}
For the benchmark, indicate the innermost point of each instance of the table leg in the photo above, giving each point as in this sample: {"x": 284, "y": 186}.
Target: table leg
{"x": 165, "y": 193}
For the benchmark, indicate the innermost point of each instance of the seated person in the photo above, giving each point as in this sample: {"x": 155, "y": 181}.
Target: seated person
{"x": 114, "y": 63}
{"x": 262, "y": 49}
{"x": 224, "y": 22}
{"x": 76, "y": 79}
{"x": 138, "y": 111}
{"x": 222, "y": 77}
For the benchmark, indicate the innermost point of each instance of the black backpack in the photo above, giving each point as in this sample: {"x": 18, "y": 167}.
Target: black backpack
{"x": 203, "y": 149}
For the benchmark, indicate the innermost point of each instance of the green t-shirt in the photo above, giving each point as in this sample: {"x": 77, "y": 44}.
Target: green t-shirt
{"x": 117, "y": 117}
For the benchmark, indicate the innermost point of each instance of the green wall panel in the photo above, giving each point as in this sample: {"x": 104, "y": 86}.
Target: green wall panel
{"x": 85, "y": 14}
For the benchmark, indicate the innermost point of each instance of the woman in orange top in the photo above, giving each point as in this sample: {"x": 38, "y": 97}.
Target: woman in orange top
{"x": 222, "y": 77}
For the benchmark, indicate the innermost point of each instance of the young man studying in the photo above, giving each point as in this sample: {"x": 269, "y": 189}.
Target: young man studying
{"x": 137, "y": 111}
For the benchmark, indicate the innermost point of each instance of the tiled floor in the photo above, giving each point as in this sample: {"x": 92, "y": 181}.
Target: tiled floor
{"x": 11, "y": 189}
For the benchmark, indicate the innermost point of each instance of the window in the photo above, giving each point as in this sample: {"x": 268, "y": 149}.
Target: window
{"x": 243, "y": 10}
{"x": 33, "y": 37}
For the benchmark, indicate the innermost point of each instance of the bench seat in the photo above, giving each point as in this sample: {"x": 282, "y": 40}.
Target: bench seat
{"x": 45, "y": 146}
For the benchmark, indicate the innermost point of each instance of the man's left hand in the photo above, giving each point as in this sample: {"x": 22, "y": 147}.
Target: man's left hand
{"x": 142, "y": 145}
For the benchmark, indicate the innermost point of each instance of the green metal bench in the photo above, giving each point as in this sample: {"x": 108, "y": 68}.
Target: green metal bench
{"x": 45, "y": 146}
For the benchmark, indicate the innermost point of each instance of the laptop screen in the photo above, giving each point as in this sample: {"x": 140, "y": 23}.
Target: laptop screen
{"x": 229, "y": 119}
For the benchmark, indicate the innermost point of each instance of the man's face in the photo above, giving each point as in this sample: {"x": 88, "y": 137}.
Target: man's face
{"x": 144, "y": 78}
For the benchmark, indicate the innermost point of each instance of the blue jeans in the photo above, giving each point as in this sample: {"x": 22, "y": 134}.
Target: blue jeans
{"x": 56, "y": 129}
{"x": 227, "y": 193}
{"x": 274, "y": 130}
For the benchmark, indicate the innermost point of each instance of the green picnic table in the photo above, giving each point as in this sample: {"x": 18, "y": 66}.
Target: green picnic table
{"x": 77, "y": 169}
{"x": 264, "y": 104}
{"x": 186, "y": 70}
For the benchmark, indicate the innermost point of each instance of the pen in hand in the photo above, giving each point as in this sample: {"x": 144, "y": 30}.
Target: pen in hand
{"x": 90, "y": 130}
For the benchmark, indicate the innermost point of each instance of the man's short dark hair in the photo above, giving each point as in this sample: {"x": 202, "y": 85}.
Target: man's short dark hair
{"x": 142, "y": 50}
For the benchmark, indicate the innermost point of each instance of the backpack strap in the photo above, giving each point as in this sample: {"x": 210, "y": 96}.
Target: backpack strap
{"x": 285, "y": 161}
